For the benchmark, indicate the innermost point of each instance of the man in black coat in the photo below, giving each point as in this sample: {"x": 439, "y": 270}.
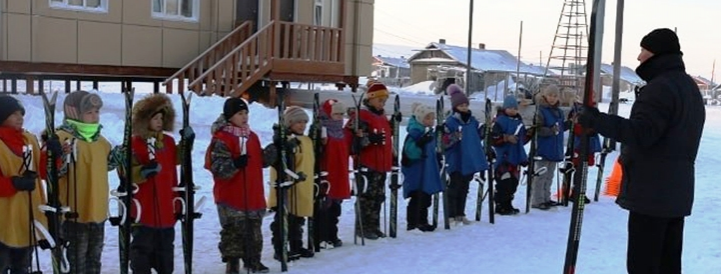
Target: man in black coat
{"x": 660, "y": 142}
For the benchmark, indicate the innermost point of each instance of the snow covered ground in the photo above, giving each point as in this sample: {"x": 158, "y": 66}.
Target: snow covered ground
{"x": 527, "y": 243}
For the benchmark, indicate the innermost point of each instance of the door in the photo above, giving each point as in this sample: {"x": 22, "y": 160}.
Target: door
{"x": 287, "y": 10}
{"x": 247, "y": 10}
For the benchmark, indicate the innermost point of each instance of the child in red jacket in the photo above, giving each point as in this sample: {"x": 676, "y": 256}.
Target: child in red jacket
{"x": 155, "y": 157}
{"x": 235, "y": 159}
{"x": 375, "y": 156}
{"x": 334, "y": 159}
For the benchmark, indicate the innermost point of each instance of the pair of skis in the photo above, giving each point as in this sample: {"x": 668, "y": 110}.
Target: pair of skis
{"x": 126, "y": 190}
{"x": 318, "y": 223}
{"x": 286, "y": 177}
{"x": 440, "y": 120}
{"x": 53, "y": 209}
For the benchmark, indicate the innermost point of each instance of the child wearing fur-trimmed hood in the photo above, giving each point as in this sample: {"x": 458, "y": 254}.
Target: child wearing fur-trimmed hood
{"x": 155, "y": 156}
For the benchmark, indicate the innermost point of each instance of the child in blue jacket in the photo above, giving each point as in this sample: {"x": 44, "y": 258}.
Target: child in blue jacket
{"x": 508, "y": 136}
{"x": 464, "y": 152}
{"x": 420, "y": 168}
{"x": 550, "y": 123}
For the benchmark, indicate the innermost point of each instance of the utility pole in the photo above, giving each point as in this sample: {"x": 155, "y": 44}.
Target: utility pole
{"x": 470, "y": 49}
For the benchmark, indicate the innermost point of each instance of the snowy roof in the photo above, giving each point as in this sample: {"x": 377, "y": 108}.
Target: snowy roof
{"x": 705, "y": 80}
{"x": 434, "y": 60}
{"x": 393, "y": 61}
{"x": 484, "y": 59}
{"x": 627, "y": 74}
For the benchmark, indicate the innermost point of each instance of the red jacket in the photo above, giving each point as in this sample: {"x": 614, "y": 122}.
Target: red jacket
{"x": 156, "y": 194}
{"x": 335, "y": 162}
{"x": 377, "y": 157}
{"x": 244, "y": 190}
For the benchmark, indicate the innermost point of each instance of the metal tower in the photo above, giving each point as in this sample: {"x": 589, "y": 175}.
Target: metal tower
{"x": 570, "y": 44}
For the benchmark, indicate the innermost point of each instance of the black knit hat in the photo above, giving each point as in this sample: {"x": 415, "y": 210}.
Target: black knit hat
{"x": 661, "y": 41}
{"x": 8, "y": 106}
{"x": 233, "y": 106}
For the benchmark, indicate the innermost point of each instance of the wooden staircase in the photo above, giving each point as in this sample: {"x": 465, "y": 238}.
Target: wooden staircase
{"x": 280, "y": 51}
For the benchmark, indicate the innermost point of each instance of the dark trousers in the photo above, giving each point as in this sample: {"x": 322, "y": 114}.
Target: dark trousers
{"x": 654, "y": 244}
{"x": 152, "y": 248}
{"x": 326, "y": 221}
{"x": 506, "y": 185}
{"x": 457, "y": 193}
{"x": 295, "y": 233}
{"x": 417, "y": 210}
{"x": 85, "y": 249}
{"x": 14, "y": 260}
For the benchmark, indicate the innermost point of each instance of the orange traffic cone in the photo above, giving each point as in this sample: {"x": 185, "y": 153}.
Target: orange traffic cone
{"x": 613, "y": 182}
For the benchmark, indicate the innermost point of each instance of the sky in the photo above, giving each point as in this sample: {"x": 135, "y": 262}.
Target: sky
{"x": 497, "y": 24}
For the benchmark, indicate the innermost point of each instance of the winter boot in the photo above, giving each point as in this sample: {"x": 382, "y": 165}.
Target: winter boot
{"x": 426, "y": 228}
{"x": 502, "y": 209}
{"x": 255, "y": 266}
{"x": 370, "y": 235}
{"x": 463, "y": 220}
{"x": 542, "y": 206}
{"x": 232, "y": 266}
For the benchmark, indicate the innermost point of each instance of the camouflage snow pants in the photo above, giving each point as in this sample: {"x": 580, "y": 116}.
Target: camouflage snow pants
{"x": 85, "y": 248}
{"x": 240, "y": 236}
{"x": 371, "y": 200}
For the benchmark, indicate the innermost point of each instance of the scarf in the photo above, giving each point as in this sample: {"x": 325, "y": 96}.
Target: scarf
{"x": 334, "y": 128}
{"x": 13, "y": 138}
{"x": 464, "y": 116}
{"x": 237, "y": 131}
{"x": 84, "y": 130}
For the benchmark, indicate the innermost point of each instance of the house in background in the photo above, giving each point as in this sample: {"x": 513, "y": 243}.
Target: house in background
{"x": 210, "y": 46}
{"x": 629, "y": 78}
{"x": 439, "y": 61}
{"x": 703, "y": 83}
{"x": 391, "y": 70}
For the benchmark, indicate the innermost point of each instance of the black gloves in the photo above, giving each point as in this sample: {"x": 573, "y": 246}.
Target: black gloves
{"x": 26, "y": 182}
{"x": 588, "y": 116}
{"x": 376, "y": 138}
{"x": 188, "y": 134}
{"x": 53, "y": 146}
{"x": 150, "y": 170}
{"x": 241, "y": 161}
{"x": 397, "y": 117}
{"x": 424, "y": 139}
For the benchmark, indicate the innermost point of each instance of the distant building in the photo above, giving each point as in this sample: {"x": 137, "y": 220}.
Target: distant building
{"x": 439, "y": 61}
{"x": 391, "y": 70}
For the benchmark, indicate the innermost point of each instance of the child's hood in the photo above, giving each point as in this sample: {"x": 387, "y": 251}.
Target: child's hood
{"x": 146, "y": 108}
{"x": 219, "y": 124}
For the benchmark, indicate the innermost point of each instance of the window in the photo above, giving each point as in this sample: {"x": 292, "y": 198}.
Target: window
{"x": 182, "y": 10}
{"x": 84, "y": 5}
{"x": 318, "y": 13}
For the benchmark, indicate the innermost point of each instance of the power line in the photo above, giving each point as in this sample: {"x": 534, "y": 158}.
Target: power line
{"x": 397, "y": 36}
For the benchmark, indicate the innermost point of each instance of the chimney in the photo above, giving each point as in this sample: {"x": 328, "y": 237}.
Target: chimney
{"x": 481, "y": 46}
{"x": 442, "y": 41}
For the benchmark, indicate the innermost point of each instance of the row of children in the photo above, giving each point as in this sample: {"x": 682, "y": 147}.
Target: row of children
{"x": 236, "y": 159}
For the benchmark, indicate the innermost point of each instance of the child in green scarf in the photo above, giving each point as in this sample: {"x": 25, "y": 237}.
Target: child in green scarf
{"x": 83, "y": 180}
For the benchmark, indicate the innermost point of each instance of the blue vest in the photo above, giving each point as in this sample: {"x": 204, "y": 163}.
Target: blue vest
{"x": 507, "y": 153}
{"x": 467, "y": 156}
{"x": 550, "y": 148}
{"x": 422, "y": 173}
